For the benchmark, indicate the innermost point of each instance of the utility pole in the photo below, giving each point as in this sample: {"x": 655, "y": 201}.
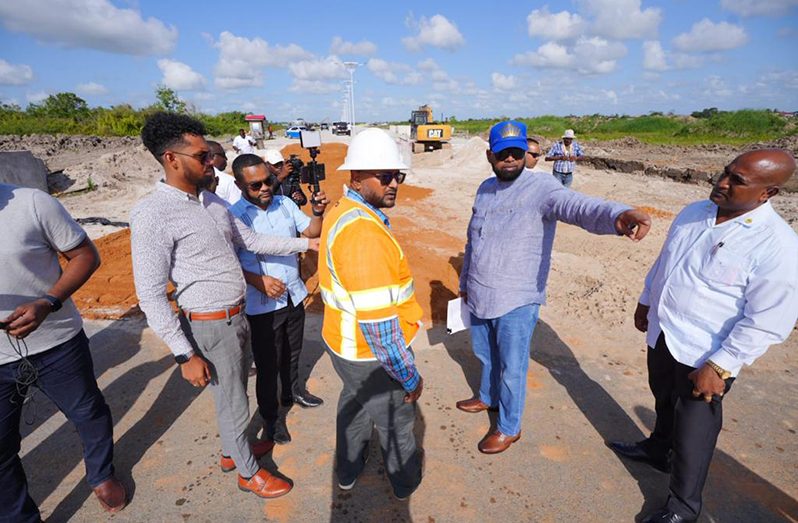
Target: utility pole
{"x": 351, "y": 66}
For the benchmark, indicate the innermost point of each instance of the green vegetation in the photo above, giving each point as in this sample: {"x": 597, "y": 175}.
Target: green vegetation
{"x": 702, "y": 127}
{"x": 67, "y": 113}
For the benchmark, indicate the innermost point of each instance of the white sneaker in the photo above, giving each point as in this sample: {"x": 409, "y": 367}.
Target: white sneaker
{"x": 366, "y": 457}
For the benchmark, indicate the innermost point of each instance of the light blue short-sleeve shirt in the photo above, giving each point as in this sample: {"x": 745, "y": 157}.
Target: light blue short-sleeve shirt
{"x": 282, "y": 218}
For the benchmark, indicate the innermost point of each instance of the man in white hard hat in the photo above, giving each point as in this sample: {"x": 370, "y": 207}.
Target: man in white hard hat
{"x": 370, "y": 318}
{"x": 565, "y": 154}
{"x": 285, "y": 186}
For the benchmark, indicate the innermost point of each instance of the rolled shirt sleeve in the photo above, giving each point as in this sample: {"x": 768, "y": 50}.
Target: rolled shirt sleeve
{"x": 247, "y": 238}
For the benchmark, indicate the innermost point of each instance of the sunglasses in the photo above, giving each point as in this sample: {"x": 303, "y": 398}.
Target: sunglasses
{"x": 535, "y": 155}
{"x": 515, "y": 152}
{"x": 204, "y": 157}
{"x": 255, "y": 186}
{"x": 387, "y": 178}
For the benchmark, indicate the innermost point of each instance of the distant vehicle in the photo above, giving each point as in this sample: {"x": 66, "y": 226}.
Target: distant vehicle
{"x": 294, "y": 131}
{"x": 341, "y": 128}
{"x": 324, "y": 126}
{"x": 428, "y": 135}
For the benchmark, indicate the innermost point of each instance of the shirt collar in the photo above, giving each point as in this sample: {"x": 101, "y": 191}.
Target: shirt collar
{"x": 175, "y": 192}
{"x": 752, "y": 218}
{"x": 354, "y": 195}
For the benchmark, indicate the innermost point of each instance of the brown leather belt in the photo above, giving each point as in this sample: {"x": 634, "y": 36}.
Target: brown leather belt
{"x": 209, "y": 316}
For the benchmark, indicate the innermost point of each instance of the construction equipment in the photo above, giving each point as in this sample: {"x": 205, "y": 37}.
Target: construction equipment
{"x": 425, "y": 133}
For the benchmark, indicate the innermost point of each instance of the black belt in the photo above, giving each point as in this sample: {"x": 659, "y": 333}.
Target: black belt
{"x": 560, "y": 172}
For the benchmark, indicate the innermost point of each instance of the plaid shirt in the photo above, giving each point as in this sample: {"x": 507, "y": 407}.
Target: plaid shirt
{"x": 385, "y": 337}
{"x": 561, "y": 166}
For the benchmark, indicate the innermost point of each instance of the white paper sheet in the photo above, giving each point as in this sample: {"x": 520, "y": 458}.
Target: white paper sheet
{"x": 458, "y": 317}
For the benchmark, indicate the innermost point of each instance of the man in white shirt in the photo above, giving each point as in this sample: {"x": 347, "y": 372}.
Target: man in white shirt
{"x": 723, "y": 289}
{"x": 244, "y": 143}
{"x": 226, "y": 187}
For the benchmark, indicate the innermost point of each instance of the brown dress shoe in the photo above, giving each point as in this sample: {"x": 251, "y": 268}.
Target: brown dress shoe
{"x": 474, "y": 405}
{"x": 264, "y": 485}
{"x": 260, "y": 448}
{"x": 495, "y": 442}
{"x": 111, "y": 494}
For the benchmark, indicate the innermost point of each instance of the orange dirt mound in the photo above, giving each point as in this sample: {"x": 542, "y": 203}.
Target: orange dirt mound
{"x": 110, "y": 292}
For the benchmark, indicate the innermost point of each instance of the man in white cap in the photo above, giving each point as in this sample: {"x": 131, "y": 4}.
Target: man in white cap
{"x": 371, "y": 317}
{"x": 565, "y": 154}
{"x": 285, "y": 186}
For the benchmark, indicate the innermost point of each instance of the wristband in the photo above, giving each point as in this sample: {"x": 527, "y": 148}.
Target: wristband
{"x": 55, "y": 303}
{"x": 317, "y": 214}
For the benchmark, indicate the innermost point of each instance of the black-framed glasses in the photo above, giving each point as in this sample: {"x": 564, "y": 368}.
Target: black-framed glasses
{"x": 515, "y": 152}
{"x": 255, "y": 186}
{"x": 534, "y": 155}
{"x": 204, "y": 157}
{"x": 386, "y": 178}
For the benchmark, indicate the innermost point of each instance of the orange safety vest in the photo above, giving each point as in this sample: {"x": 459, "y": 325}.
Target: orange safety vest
{"x": 364, "y": 276}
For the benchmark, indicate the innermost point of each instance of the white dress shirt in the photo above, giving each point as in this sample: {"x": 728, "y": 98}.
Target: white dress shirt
{"x": 244, "y": 144}
{"x": 723, "y": 292}
{"x": 227, "y": 189}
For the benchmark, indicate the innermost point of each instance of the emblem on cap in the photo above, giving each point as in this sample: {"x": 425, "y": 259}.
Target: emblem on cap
{"x": 510, "y": 130}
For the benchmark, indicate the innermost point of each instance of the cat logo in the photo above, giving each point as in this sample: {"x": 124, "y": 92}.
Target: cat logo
{"x": 435, "y": 133}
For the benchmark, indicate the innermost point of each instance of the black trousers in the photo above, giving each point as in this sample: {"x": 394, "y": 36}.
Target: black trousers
{"x": 276, "y": 344}
{"x": 687, "y": 426}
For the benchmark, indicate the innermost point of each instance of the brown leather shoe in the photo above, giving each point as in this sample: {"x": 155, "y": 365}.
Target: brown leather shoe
{"x": 111, "y": 494}
{"x": 495, "y": 442}
{"x": 474, "y": 405}
{"x": 264, "y": 485}
{"x": 260, "y": 448}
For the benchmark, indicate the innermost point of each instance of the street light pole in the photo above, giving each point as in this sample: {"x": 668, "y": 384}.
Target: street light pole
{"x": 351, "y": 66}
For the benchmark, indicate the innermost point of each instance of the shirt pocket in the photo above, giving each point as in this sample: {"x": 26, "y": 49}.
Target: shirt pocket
{"x": 476, "y": 224}
{"x": 726, "y": 267}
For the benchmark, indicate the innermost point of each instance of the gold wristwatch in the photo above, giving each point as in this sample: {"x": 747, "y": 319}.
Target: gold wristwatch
{"x": 723, "y": 373}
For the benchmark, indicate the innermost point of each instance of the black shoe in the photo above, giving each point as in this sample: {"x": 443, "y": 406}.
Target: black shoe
{"x": 280, "y": 434}
{"x": 307, "y": 400}
{"x": 637, "y": 452}
{"x": 664, "y": 515}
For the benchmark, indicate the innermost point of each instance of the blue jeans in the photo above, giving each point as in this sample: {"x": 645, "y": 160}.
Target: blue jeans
{"x": 502, "y": 345}
{"x": 66, "y": 376}
{"x": 564, "y": 178}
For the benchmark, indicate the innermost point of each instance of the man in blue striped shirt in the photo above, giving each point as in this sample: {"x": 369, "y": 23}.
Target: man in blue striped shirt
{"x": 565, "y": 154}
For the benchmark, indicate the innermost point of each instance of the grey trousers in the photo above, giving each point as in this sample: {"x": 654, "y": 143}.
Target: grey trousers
{"x": 226, "y": 345}
{"x": 371, "y": 398}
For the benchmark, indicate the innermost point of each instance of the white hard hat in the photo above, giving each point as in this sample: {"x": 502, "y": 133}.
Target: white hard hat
{"x": 569, "y": 133}
{"x": 273, "y": 156}
{"x": 371, "y": 150}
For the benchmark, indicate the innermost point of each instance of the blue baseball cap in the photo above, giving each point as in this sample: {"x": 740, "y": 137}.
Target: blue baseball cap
{"x": 508, "y": 134}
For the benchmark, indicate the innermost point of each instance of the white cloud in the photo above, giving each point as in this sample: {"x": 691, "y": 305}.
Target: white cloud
{"x": 394, "y": 72}
{"x": 179, "y": 76}
{"x": 503, "y": 82}
{"x": 437, "y": 31}
{"x": 318, "y": 69}
{"x": 428, "y": 64}
{"x": 36, "y": 97}
{"x": 362, "y": 48}
{"x": 93, "y": 24}
{"x": 15, "y": 74}
{"x": 92, "y": 88}
{"x": 242, "y": 59}
{"x": 709, "y": 36}
{"x": 716, "y": 86}
{"x": 588, "y": 56}
{"x": 759, "y": 7}
{"x": 314, "y": 86}
{"x": 654, "y": 56}
{"x": 622, "y": 19}
{"x": 554, "y": 26}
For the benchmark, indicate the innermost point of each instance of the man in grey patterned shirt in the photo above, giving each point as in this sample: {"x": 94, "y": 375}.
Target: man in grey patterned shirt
{"x": 185, "y": 235}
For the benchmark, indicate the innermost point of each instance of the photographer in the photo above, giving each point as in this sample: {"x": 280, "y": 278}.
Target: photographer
{"x": 287, "y": 174}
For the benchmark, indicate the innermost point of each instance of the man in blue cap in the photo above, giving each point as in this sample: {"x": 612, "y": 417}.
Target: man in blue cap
{"x": 506, "y": 264}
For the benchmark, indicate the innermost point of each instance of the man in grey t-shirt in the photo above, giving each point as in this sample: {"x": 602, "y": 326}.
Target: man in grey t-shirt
{"x": 45, "y": 344}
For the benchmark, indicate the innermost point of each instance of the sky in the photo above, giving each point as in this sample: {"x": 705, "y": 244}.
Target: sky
{"x": 465, "y": 59}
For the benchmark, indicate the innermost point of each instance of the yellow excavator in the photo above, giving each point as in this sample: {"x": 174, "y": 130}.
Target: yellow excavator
{"x": 425, "y": 133}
